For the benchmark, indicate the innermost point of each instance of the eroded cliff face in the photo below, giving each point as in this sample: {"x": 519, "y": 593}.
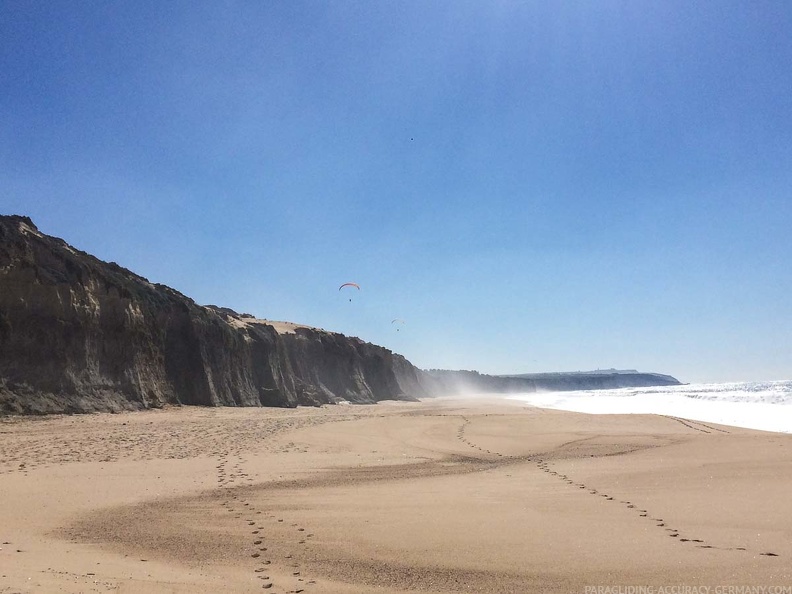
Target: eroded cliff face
{"x": 81, "y": 335}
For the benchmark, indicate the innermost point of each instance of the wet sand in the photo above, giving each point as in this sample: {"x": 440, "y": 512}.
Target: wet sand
{"x": 448, "y": 495}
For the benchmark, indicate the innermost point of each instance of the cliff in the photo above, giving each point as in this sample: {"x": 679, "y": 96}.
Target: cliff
{"x": 596, "y": 380}
{"x": 79, "y": 335}
{"x": 462, "y": 382}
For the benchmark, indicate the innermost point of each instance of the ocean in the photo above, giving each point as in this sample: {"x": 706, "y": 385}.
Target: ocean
{"x": 754, "y": 405}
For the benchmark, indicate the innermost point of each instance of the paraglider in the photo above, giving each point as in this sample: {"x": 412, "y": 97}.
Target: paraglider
{"x": 398, "y": 322}
{"x": 355, "y": 285}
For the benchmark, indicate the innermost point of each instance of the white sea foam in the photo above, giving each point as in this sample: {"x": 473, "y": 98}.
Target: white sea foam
{"x": 754, "y": 405}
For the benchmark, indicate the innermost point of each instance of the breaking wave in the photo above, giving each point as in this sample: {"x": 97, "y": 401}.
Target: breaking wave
{"x": 754, "y": 405}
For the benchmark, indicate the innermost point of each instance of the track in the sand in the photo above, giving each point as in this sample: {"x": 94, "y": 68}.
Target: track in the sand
{"x": 544, "y": 466}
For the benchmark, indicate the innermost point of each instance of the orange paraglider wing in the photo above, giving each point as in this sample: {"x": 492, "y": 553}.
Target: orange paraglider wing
{"x": 357, "y": 286}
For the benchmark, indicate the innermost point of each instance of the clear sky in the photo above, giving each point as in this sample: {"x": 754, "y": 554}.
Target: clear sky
{"x": 530, "y": 186}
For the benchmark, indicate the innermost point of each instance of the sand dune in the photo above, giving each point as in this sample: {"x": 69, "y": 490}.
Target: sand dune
{"x": 440, "y": 496}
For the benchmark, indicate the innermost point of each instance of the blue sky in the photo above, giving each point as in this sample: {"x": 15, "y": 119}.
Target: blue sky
{"x": 531, "y": 186}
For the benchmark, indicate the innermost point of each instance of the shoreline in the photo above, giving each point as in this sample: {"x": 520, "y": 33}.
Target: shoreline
{"x": 674, "y": 401}
{"x": 444, "y": 495}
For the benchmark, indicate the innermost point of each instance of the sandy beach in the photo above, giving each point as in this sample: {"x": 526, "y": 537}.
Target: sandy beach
{"x": 447, "y": 495}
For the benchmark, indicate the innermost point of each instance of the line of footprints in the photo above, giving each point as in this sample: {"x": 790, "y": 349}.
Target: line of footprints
{"x": 659, "y": 522}
{"x": 229, "y": 476}
{"x": 465, "y": 440}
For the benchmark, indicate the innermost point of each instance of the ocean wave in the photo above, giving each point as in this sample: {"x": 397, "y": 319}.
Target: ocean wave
{"x": 778, "y": 392}
{"x": 757, "y": 405}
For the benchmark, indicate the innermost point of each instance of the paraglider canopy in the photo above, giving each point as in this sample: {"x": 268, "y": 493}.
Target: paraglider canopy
{"x": 355, "y": 285}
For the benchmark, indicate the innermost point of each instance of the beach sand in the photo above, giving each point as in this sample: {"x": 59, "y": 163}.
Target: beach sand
{"x": 446, "y": 495}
